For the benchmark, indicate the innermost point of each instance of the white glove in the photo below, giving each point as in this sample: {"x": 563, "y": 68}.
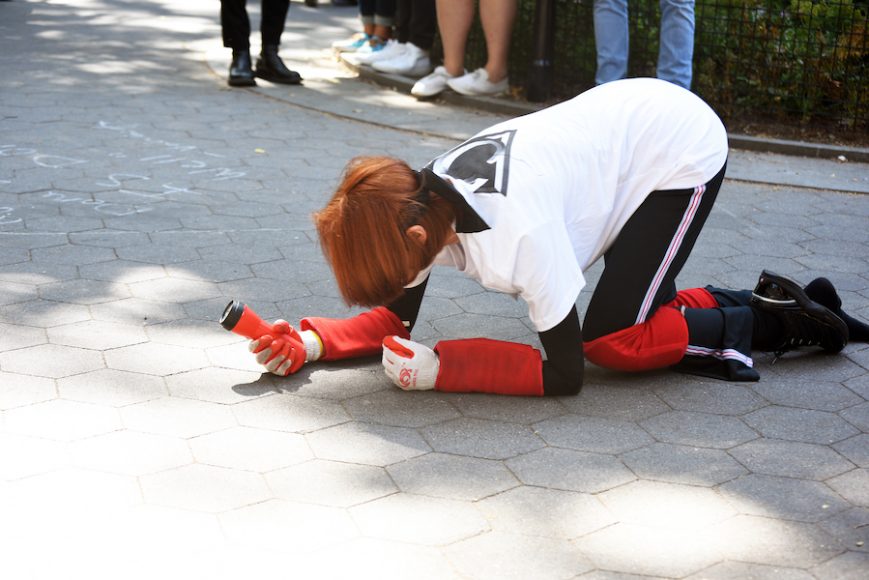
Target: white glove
{"x": 410, "y": 365}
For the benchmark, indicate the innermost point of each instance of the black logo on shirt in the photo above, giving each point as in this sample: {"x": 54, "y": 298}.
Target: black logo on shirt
{"x": 483, "y": 162}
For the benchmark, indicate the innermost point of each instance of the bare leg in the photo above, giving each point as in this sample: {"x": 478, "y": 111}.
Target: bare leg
{"x": 454, "y": 22}
{"x": 497, "y": 17}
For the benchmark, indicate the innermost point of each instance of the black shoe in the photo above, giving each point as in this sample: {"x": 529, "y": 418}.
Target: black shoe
{"x": 270, "y": 67}
{"x": 240, "y": 71}
{"x": 804, "y": 321}
{"x": 823, "y": 292}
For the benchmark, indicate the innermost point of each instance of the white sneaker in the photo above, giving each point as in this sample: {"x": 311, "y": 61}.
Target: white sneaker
{"x": 477, "y": 83}
{"x": 433, "y": 84}
{"x": 413, "y": 62}
{"x": 352, "y": 44}
{"x": 374, "y": 53}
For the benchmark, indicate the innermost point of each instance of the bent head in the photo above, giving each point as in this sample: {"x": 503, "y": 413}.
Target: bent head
{"x": 379, "y": 230}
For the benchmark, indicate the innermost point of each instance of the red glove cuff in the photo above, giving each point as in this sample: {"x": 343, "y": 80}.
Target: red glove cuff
{"x": 482, "y": 365}
{"x": 358, "y": 336}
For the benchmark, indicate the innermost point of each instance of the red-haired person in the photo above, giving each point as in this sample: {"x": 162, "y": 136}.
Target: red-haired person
{"x": 627, "y": 172}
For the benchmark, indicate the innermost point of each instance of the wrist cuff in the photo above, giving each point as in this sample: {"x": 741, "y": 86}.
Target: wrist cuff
{"x": 313, "y": 345}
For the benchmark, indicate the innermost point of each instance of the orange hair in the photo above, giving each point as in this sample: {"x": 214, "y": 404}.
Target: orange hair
{"x": 363, "y": 230}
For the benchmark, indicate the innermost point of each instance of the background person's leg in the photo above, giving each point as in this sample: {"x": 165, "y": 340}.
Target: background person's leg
{"x": 676, "y": 50}
{"x": 611, "y": 40}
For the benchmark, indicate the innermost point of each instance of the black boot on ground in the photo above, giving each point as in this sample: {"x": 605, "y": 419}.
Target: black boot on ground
{"x": 804, "y": 322}
{"x": 823, "y": 292}
{"x": 270, "y": 67}
{"x": 240, "y": 71}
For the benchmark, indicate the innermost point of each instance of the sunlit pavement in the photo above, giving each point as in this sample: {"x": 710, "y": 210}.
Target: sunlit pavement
{"x": 138, "y": 439}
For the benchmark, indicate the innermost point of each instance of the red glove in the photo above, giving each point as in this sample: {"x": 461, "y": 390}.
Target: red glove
{"x": 282, "y": 354}
{"x": 410, "y": 365}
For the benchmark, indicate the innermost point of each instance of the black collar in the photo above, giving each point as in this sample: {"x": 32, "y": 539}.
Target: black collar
{"x": 468, "y": 221}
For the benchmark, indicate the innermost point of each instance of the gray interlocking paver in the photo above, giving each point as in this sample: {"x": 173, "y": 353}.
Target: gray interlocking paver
{"x": 429, "y": 521}
{"x": 597, "y": 434}
{"x": 808, "y": 426}
{"x": 20, "y": 390}
{"x": 111, "y": 387}
{"x": 698, "y": 429}
{"x": 683, "y": 464}
{"x": 506, "y": 555}
{"x": 783, "y": 497}
{"x": 482, "y": 438}
{"x": 250, "y": 449}
{"x": 331, "y": 483}
{"x": 570, "y": 470}
{"x": 128, "y": 224}
{"x": 791, "y": 459}
{"x": 452, "y": 477}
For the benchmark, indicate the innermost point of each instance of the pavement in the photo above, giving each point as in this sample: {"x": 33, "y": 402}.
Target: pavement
{"x": 138, "y": 439}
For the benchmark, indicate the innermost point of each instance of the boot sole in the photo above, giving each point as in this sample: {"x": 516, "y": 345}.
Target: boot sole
{"x": 278, "y": 80}
{"x": 801, "y": 301}
{"x": 241, "y": 82}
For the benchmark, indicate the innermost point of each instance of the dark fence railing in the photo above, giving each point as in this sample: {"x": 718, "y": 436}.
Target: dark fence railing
{"x": 785, "y": 66}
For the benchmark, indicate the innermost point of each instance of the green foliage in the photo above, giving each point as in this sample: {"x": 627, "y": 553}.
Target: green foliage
{"x": 795, "y": 61}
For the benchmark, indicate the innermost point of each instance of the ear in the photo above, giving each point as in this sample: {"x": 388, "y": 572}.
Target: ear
{"x": 418, "y": 234}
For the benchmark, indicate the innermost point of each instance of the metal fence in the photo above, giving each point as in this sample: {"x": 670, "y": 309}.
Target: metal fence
{"x": 779, "y": 64}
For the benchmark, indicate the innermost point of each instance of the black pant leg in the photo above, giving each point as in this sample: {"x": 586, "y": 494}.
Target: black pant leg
{"x": 274, "y": 16}
{"x": 403, "y": 14}
{"x": 235, "y": 24}
{"x": 423, "y": 24}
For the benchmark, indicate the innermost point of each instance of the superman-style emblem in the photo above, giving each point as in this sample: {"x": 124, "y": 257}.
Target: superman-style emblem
{"x": 483, "y": 162}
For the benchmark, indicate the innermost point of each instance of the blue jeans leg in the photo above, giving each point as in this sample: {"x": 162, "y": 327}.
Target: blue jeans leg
{"x": 677, "y": 42}
{"x": 611, "y": 40}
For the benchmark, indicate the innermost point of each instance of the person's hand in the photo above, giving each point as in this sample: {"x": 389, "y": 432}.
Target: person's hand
{"x": 410, "y": 365}
{"x": 281, "y": 354}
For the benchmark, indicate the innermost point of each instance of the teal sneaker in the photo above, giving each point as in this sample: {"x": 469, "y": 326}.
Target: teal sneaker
{"x": 352, "y": 44}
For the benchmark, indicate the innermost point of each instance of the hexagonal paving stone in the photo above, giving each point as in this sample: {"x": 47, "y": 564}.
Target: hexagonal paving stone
{"x": 210, "y": 271}
{"x": 800, "y": 425}
{"x": 178, "y": 417}
{"x": 44, "y": 313}
{"x": 653, "y": 551}
{"x": 597, "y": 434}
{"x": 84, "y": 291}
{"x": 97, "y": 335}
{"x": 21, "y": 390}
{"x": 213, "y": 384}
{"x": 429, "y": 521}
{"x": 49, "y": 360}
{"x": 250, "y": 449}
{"x": 787, "y": 498}
{"x": 544, "y": 512}
{"x": 235, "y": 356}
{"x": 856, "y": 449}
{"x": 12, "y": 293}
{"x": 739, "y": 570}
{"x": 401, "y": 409}
{"x": 204, "y": 488}
{"x": 174, "y": 290}
{"x": 13, "y": 336}
{"x": 72, "y": 255}
{"x": 482, "y": 438}
{"x": 858, "y": 415}
{"x": 790, "y": 459}
{"x": 111, "y": 387}
{"x": 62, "y": 420}
{"x": 523, "y": 410}
{"x": 770, "y": 541}
{"x": 53, "y": 497}
{"x": 330, "y": 483}
{"x": 289, "y": 413}
{"x": 699, "y": 429}
{"x": 817, "y": 395}
{"x": 137, "y": 311}
{"x": 374, "y": 558}
{"x": 666, "y": 505}
{"x": 22, "y": 456}
{"x": 367, "y": 444}
{"x": 848, "y": 566}
{"x": 615, "y": 402}
{"x": 681, "y": 464}
{"x": 290, "y": 527}
{"x": 156, "y": 359}
{"x": 345, "y": 383}
{"x": 122, "y": 271}
{"x": 130, "y": 453}
{"x": 850, "y": 527}
{"x": 186, "y": 332}
{"x": 716, "y": 398}
{"x": 452, "y": 477}
{"x": 504, "y": 556}
{"x": 570, "y": 470}
{"x": 853, "y": 486}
